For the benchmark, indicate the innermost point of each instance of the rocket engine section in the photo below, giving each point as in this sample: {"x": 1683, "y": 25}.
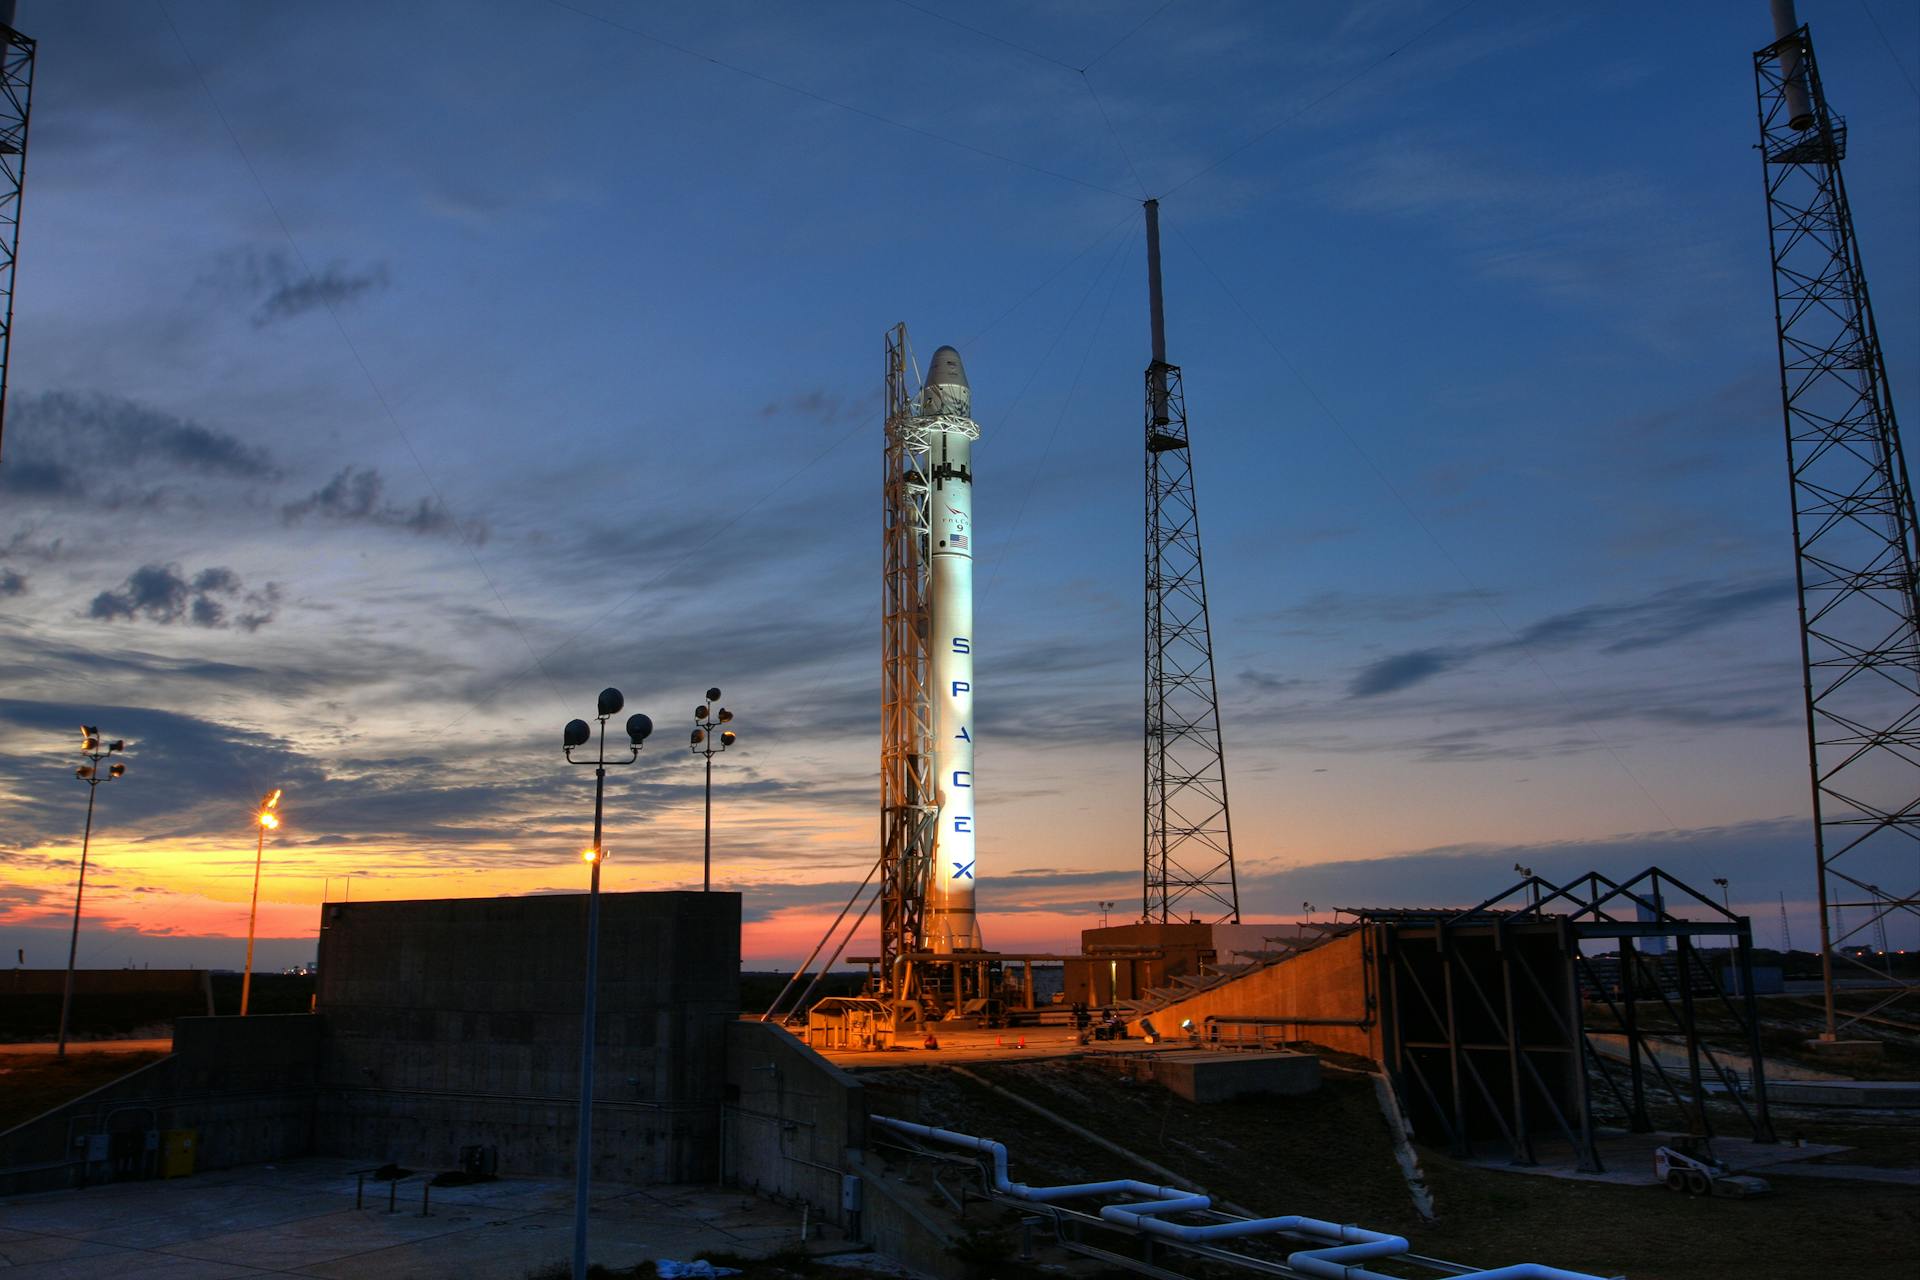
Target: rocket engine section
{"x": 946, "y": 404}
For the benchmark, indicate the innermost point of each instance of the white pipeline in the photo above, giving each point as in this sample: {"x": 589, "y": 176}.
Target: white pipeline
{"x": 1347, "y": 1245}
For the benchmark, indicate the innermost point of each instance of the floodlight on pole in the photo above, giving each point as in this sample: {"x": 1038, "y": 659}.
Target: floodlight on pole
{"x": 577, "y": 734}
{"x": 1532, "y": 889}
{"x": 89, "y": 773}
{"x": 707, "y": 718}
{"x": 266, "y": 819}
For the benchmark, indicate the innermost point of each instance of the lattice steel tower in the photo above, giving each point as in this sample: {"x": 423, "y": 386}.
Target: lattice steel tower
{"x": 907, "y": 806}
{"x": 16, "y": 92}
{"x": 1853, "y": 517}
{"x": 1188, "y": 834}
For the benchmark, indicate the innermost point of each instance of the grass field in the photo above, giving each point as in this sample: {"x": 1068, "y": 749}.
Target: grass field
{"x": 31, "y": 1084}
{"x": 1328, "y": 1155}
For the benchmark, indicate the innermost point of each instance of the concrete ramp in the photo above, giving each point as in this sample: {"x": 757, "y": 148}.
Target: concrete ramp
{"x": 1325, "y": 994}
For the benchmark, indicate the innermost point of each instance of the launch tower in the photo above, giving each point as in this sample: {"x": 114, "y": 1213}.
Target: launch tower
{"x": 1853, "y": 516}
{"x": 1188, "y": 833}
{"x": 16, "y": 93}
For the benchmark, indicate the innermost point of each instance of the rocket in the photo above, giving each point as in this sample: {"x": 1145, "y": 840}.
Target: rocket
{"x": 945, "y": 414}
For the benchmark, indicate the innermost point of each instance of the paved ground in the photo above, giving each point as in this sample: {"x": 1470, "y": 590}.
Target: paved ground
{"x": 968, "y": 1047}
{"x": 92, "y": 1046}
{"x": 297, "y": 1219}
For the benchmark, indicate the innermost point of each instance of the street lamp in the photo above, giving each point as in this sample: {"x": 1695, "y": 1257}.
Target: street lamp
{"x": 91, "y": 774}
{"x": 577, "y": 734}
{"x": 1722, "y": 882}
{"x": 707, "y": 718}
{"x": 1105, "y": 907}
{"x": 266, "y": 820}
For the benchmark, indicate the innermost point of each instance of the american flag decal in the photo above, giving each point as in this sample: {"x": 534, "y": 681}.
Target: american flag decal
{"x": 958, "y": 539}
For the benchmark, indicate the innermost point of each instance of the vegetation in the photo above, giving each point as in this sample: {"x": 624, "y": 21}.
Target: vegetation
{"x": 32, "y": 1084}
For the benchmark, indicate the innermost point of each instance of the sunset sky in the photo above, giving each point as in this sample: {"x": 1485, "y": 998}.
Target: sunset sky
{"x": 388, "y": 379}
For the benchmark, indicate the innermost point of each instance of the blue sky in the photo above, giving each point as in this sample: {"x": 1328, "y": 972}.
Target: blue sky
{"x": 386, "y": 380}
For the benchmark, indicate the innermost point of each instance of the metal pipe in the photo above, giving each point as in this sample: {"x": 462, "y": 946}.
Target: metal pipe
{"x": 1346, "y": 1244}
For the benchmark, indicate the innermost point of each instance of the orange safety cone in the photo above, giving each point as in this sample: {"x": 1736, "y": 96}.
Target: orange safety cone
{"x": 931, "y": 1042}
{"x": 1023, "y": 1042}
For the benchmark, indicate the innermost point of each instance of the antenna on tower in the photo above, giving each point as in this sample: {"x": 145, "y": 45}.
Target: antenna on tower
{"x": 1188, "y": 835}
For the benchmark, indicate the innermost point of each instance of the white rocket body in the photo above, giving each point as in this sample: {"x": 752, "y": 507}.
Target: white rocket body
{"x": 949, "y": 923}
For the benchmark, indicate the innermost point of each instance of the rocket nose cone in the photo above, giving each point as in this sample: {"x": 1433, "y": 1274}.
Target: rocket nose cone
{"x": 946, "y": 369}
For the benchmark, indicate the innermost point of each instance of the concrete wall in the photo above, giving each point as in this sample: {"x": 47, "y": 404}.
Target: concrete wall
{"x": 1107, "y": 978}
{"x": 244, "y": 1085}
{"x": 457, "y": 1022}
{"x": 794, "y": 1121}
{"x": 1329, "y": 982}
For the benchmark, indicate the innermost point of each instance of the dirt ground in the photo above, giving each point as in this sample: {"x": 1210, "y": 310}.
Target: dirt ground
{"x": 1329, "y": 1155}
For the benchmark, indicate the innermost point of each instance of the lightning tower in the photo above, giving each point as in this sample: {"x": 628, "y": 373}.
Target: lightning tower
{"x": 1188, "y": 834}
{"x": 16, "y": 93}
{"x": 1853, "y": 515}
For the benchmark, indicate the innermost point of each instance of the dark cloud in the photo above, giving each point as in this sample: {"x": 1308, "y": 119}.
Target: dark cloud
{"x": 1402, "y": 670}
{"x": 828, "y": 408}
{"x": 115, "y": 453}
{"x": 162, "y": 593}
{"x": 280, "y": 289}
{"x": 1762, "y": 858}
{"x": 12, "y": 583}
{"x": 357, "y": 495}
{"x": 1267, "y": 682}
{"x": 333, "y": 287}
{"x": 1665, "y": 617}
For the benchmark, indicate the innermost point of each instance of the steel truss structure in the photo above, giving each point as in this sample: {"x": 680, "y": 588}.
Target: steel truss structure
{"x": 1853, "y": 522}
{"x": 1485, "y": 1025}
{"x": 1188, "y": 834}
{"x": 16, "y": 95}
{"x": 907, "y": 807}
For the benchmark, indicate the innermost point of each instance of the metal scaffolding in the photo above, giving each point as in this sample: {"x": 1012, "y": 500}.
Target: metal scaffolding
{"x": 1189, "y": 871}
{"x": 1853, "y": 522}
{"x": 907, "y": 807}
{"x": 1489, "y": 1014}
{"x": 16, "y": 93}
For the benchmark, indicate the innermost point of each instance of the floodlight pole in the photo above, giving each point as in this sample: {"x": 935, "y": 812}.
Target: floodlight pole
{"x": 89, "y": 774}
{"x": 583, "y": 1157}
{"x": 73, "y": 943}
{"x": 610, "y": 704}
{"x": 253, "y": 912}
{"x": 710, "y": 737}
{"x": 262, "y": 820}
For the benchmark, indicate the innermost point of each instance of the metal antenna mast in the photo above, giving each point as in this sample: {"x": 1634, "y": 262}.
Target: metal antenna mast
{"x": 16, "y": 91}
{"x": 1188, "y": 836}
{"x": 908, "y": 808}
{"x": 1853, "y": 514}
